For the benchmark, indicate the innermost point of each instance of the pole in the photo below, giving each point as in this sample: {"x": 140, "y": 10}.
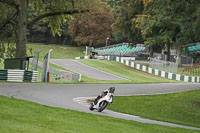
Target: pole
{"x": 45, "y": 66}
{"x": 107, "y": 41}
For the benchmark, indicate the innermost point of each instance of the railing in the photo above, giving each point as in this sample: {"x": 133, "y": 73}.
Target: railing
{"x": 191, "y": 70}
{"x": 169, "y": 75}
{"x": 57, "y": 75}
{"x": 61, "y": 75}
{"x": 163, "y": 65}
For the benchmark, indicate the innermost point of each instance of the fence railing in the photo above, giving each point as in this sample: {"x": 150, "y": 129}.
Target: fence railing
{"x": 61, "y": 75}
{"x": 58, "y": 75}
{"x": 169, "y": 75}
{"x": 163, "y": 65}
{"x": 193, "y": 70}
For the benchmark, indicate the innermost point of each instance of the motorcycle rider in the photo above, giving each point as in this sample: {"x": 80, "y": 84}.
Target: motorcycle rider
{"x": 104, "y": 93}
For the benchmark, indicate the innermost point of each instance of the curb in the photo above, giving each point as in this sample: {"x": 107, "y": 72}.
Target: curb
{"x": 157, "y": 72}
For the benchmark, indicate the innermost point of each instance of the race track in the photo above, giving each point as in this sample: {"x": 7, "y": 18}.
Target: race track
{"x": 73, "y": 96}
{"x": 83, "y": 69}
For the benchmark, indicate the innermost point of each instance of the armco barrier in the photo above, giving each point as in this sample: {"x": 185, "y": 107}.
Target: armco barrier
{"x": 83, "y": 57}
{"x": 61, "y": 73}
{"x": 65, "y": 74}
{"x": 156, "y": 72}
{"x": 18, "y": 75}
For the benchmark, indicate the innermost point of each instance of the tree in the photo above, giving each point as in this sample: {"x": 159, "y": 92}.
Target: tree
{"x": 169, "y": 23}
{"x": 54, "y": 12}
{"x": 128, "y": 10}
{"x": 92, "y": 28}
{"x": 114, "y": 6}
{"x": 156, "y": 25}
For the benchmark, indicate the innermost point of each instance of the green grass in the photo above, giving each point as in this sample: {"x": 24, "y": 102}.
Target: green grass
{"x": 59, "y": 52}
{"x": 86, "y": 80}
{"x": 182, "y": 108}
{"x": 26, "y": 117}
{"x": 133, "y": 75}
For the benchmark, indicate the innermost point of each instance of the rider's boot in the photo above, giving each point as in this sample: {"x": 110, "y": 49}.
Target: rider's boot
{"x": 95, "y": 101}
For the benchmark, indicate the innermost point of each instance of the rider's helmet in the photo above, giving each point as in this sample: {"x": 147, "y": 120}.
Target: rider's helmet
{"x": 111, "y": 89}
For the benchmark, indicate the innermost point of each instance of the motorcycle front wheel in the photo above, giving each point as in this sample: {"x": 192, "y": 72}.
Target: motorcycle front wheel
{"x": 102, "y": 106}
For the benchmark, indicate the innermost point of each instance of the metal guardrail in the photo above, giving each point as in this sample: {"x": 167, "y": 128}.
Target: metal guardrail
{"x": 61, "y": 74}
{"x": 58, "y": 74}
{"x": 163, "y": 65}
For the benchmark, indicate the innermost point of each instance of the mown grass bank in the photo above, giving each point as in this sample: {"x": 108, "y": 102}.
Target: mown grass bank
{"x": 133, "y": 75}
{"x": 182, "y": 108}
{"x": 59, "y": 52}
{"x": 26, "y": 117}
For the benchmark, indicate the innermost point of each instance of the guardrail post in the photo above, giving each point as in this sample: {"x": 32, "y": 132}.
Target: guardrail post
{"x": 45, "y": 66}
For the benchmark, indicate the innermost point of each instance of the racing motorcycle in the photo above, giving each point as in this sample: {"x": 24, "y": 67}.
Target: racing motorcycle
{"x": 103, "y": 101}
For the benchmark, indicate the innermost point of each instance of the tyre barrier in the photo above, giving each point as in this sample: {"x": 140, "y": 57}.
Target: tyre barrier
{"x": 157, "y": 72}
{"x": 18, "y": 75}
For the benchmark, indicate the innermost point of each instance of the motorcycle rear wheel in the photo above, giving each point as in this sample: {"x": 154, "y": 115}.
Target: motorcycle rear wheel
{"x": 91, "y": 107}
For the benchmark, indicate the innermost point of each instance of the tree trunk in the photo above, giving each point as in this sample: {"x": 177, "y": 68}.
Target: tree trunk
{"x": 178, "y": 58}
{"x": 167, "y": 52}
{"x": 21, "y": 36}
{"x": 151, "y": 51}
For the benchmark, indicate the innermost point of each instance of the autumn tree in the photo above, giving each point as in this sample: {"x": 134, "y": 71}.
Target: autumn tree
{"x": 92, "y": 28}
{"x": 15, "y": 15}
{"x": 117, "y": 34}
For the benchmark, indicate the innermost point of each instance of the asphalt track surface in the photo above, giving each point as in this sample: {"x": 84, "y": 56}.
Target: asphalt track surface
{"x": 74, "y": 96}
{"x": 83, "y": 69}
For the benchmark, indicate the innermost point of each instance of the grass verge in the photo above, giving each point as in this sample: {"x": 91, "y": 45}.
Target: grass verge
{"x": 182, "y": 108}
{"x": 59, "y": 52}
{"x": 133, "y": 75}
{"x": 21, "y": 116}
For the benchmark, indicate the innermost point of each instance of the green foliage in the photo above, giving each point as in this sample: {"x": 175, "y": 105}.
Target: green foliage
{"x": 55, "y": 22}
{"x": 128, "y": 10}
{"x": 6, "y": 19}
{"x": 168, "y": 21}
{"x": 7, "y": 50}
{"x": 55, "y": 13}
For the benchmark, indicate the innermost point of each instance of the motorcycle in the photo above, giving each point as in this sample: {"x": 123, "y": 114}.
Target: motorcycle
{"x": 102, "y": 103}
